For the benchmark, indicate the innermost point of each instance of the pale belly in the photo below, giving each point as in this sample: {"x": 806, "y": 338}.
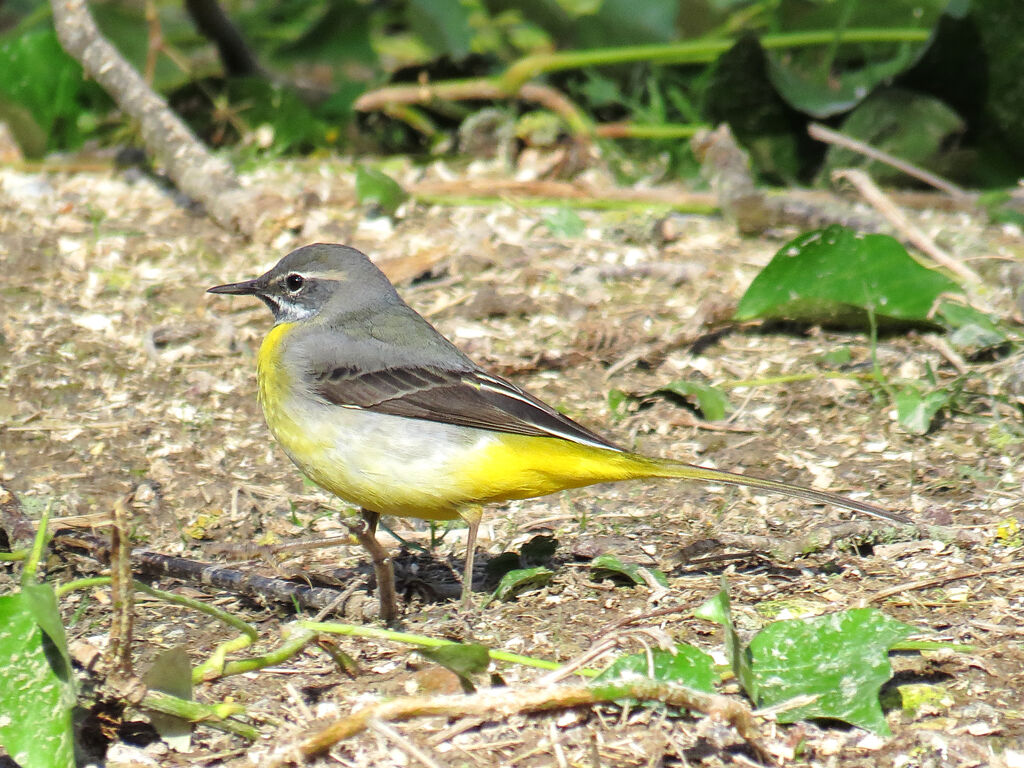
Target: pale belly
{"x": 389, "y": 464}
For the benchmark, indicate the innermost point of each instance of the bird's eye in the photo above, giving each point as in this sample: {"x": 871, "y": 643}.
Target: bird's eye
{"x": 294, "y": 283}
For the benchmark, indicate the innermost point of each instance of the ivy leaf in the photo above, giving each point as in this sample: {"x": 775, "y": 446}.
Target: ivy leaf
{"x": 465, "y": 660}
{"x": 712, "y": 402}
{"x": 684, "y": 664}
{"x": 842, "y": 659}
{"x": 377, "y": 189}
{"x": 609, "y": 566}
{"x": 37, "y": 690}
{"x": 515, "y": 582}
{"x": 838, "y": 276}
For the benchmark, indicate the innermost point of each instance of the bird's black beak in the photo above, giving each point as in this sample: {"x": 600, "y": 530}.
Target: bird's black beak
{"x": 247, "y": 288}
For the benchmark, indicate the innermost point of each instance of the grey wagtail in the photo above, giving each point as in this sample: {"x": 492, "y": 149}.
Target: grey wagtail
{"x": 373, "y": 404}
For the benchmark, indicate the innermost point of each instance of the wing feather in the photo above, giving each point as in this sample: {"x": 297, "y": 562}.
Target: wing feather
{"x": 468, "y": 398}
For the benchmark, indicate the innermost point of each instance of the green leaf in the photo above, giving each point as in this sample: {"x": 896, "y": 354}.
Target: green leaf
{"x": 617, "y": 401}
{"x": 712, "y": 402}
{"x": 969, "y": 328}
{"x": 912, "y": 126}
{"x": 740, "y": 93}
{"x": 609, "y": 566}
{"x": 441, "y": 24}
{"x": 838, "y": 356}
{"x": 565, "y": 223}
{"x": 841, "y": 658}
{"x": 825, "y": 80}
{"x": 466, "y": 660}
{"x": 685, "y": 665}
{"x": 377, "y": 189}
{"x": 40, "y": 89}
{"x": 171, "y": 672}
{"x": 337, "y": 32}
{"x": 717, "y": 610}
{"x": 262, "y": 102}
{"x": 37, "y": 688}
{"x": 915, "y": 410}
{"x": 518, "y": 581}
{"x": 836, "y": 276}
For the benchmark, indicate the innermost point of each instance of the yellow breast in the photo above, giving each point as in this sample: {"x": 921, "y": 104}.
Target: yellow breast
{"x": 413, "y": 467}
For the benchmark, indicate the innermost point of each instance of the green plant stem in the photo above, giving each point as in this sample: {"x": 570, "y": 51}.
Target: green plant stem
{"x": 648, "y": 130}
{"x": 425, "y": 641}
{"x": 691, "y": 51}
{"x": 195, "y": 712}
{"x": 217, "y": 663}
{"x": 769, "y": 381}
{"x": 169, "y": 597}
{"x": 299, "y": 640}
{"x": 15, "y": 556}
{"x": 28, "y": 574}
{"x": 585, "y": 203}
{"x": 412, "y": 117}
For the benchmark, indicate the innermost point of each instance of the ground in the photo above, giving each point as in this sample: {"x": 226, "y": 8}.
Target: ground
{"x": 122, "y": 379}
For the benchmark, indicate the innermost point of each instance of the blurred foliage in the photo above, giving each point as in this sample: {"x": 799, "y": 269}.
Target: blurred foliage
{"x": 938, "y": 83}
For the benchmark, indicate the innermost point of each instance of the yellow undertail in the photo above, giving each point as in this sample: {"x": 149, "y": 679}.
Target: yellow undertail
{"x": 518, "y": 467}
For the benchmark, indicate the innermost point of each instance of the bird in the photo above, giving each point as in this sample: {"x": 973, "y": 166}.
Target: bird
{"x": 374, "y": 405}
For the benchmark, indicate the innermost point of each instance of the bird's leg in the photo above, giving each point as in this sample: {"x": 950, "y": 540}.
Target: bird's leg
{"x": 382, "y": 565}
{"x": 472, "y": 517}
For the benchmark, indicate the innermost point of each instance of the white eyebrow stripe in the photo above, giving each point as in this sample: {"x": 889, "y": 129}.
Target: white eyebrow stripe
{"x": 334, "y": 274}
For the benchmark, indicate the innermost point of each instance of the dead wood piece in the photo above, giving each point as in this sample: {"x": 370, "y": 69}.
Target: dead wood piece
{"x": 119, "y": 649}
{"x": 190, "y": 166}
{"x": 505, "y": 702}
{"x": 197, "y": 572}
{"x": 726, "y": 167}
{"x": 828, "y": 136}
{"x": 212, "y": 22}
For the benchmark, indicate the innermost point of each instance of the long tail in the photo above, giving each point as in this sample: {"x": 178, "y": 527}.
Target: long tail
{"x": 670, "y": 468}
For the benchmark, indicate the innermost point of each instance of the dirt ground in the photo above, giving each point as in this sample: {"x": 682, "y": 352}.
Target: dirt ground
{"x": 122, "y": 379}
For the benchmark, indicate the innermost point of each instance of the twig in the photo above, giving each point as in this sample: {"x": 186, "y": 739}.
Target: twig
{"x": 193, "y": 169}
{"x": 938, "y": 581}
{"x": 474, "y": 89}
{"x": 119, "y": 648}
{"x": 504, "y": 702}
{"x": 403, "y": 743}
{"x": 221, "y": 577}
{"x": 828, "y": 136}
{"x": 870, "y": 192}
{"x": 941, "y": 346}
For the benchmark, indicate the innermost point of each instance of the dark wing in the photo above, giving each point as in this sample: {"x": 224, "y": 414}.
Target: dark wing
{"x": 470, "y": 398}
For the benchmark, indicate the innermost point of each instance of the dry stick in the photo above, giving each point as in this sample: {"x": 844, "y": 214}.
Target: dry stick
{"x": 870, "y": 192}
{"x": 190, "y": 166}
{"x": 220, "y": 577}
{"x": 828, "y": 136}
{"x": 504, "y": 702}
{"x": 938, "y": 581}
{"x": 477, "y": 88}
{"x": 385, "y": 730}
{"x": 119, "y": 649}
